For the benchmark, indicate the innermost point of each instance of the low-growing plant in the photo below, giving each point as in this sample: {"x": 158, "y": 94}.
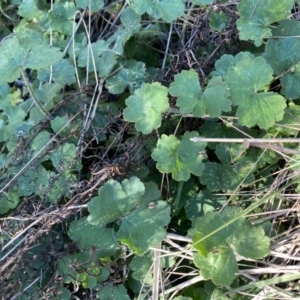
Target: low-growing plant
{"x": 149, "y": 149}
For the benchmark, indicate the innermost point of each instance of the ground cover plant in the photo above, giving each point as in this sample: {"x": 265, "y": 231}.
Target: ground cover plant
{"x": 149, "y": 149}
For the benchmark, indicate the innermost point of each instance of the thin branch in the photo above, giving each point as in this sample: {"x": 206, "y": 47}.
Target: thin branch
{"x": 260, "y": 143}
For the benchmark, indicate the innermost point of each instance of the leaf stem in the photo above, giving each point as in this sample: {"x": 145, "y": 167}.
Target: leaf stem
{"x": 178, "y": 196}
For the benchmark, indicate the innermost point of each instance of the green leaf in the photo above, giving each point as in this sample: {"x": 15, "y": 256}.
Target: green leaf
{"x": 92, "y": 51}
{"x": 283, "y": 56}
{"x": 203, "y": 2}
{"x": 258, "y": 15}
{"x": 144, "y": 227}
{"x": 181, "y": 158}
{"x": 145, "y": 107}
{"x": 201, "y": 203}
{"x": 110, "y": 291}
{"x": 8, "y": 201}
{"x": 141, "y": 266}
{"x": 62, "y": 73}
{"x": 10, "y": 120}
{"x": 80, "y": 268}
{"x": 229, "y": 153}
{"x": 226, "y": 61}
{"x": 61, "y": 294}
{"x": 286, "y": 28}
{"x": 60, "y": 188}
{"x": 216, "y": 254}
{"x": 99, "y": 237}
{"x": 115, "y": 200}
{"x": 191, "y": 99}
{"x": 64, "y": 128}
{"x": 16, "y": 53}
{"x": 289, "y": 125}
{"x": 227, "y": 178}
{"x": 220, "y": 265}
{"x": 65, "y": 158}
{"x": 49, "y": 94}
{"x": 246, "y": 79}
{"x": 28, "y": 9}
{"x": 168, "y": 10}
{"x": 217, "y": 20}
{"x": 142, "y": 224}
{"x": 106, "y": 63}
{"x": 40, "y": 140}
{"x": 61, "y": 17}
{"x": 131, "y": 75}
{"x": 131, "y": 24}
{"x": 94, "y": 6}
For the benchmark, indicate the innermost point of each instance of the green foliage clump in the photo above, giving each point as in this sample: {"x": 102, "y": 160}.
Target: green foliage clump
{"x": 110, "y": 174}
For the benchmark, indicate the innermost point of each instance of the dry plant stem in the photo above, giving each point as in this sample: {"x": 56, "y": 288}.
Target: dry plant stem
{"x": 250, "y": 208}
{"x": 168, "y": 45}
{"x": 156, "y": 273}
{"x": 35, "y": 157}
{"x": 261, "y": 143}
{"x": 49, "y": 219}
{"x": 181, "y": 286}
{"x": 31, "y": 284}
{"x": 90, "y": 116}
{"x": 74, "y": 30}
{"x": 35, "y": 99}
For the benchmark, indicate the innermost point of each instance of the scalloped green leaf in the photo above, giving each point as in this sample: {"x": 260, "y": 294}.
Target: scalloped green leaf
{"x": 15, "y": 53}
{"x": 140, "y": 266}
{"x": 61, "y": 17}
{"x": 145, "y": 107}
{"x": 62, "y": 73}
{"x": 200, "y": 203}
{"x": 81, "y": 268}
{"x": 104, "y": 59}
{"x": 131, "y": 24}
{"x": 131, "y": 75}
{"x": 220, "y": 265}
{"x": 247, "y": 80}
{"x": 10, "y": 119}
{"x": 286, "y": 28}
{"x": 115, "y": 200}
{"x": 181, "y": 158}
{"x": 40, "y": 140}
{"x": 227, "y": 178}
{"x": 229, "y": 153}
{"x": 216, "y": 254}
{"x": 106, "y": 63}
{"x": 65, "y": 159}
{"x": 145, "y": 227}
{"x": 28, "y": 9}
{"x": 203, "y": 2}
{"x": 142, "y": 224}
{"x": 217, "y": 20}
{"x": 110, "y": 291}
{"x": 8, "y": 201}
{"x": 49, "y": 94}
{"x": 93, "y": 6}
{"x": 168, "y": 10}
{"x": 212, "y": 101}
{"x": 283, "y": 56}
{"x": 94, "y": 50}
{"x": 99, "y": 237}
{"x": 226, "y": 61}
{"x": 289, "y": 125}
{"x": 258, "y": 15}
